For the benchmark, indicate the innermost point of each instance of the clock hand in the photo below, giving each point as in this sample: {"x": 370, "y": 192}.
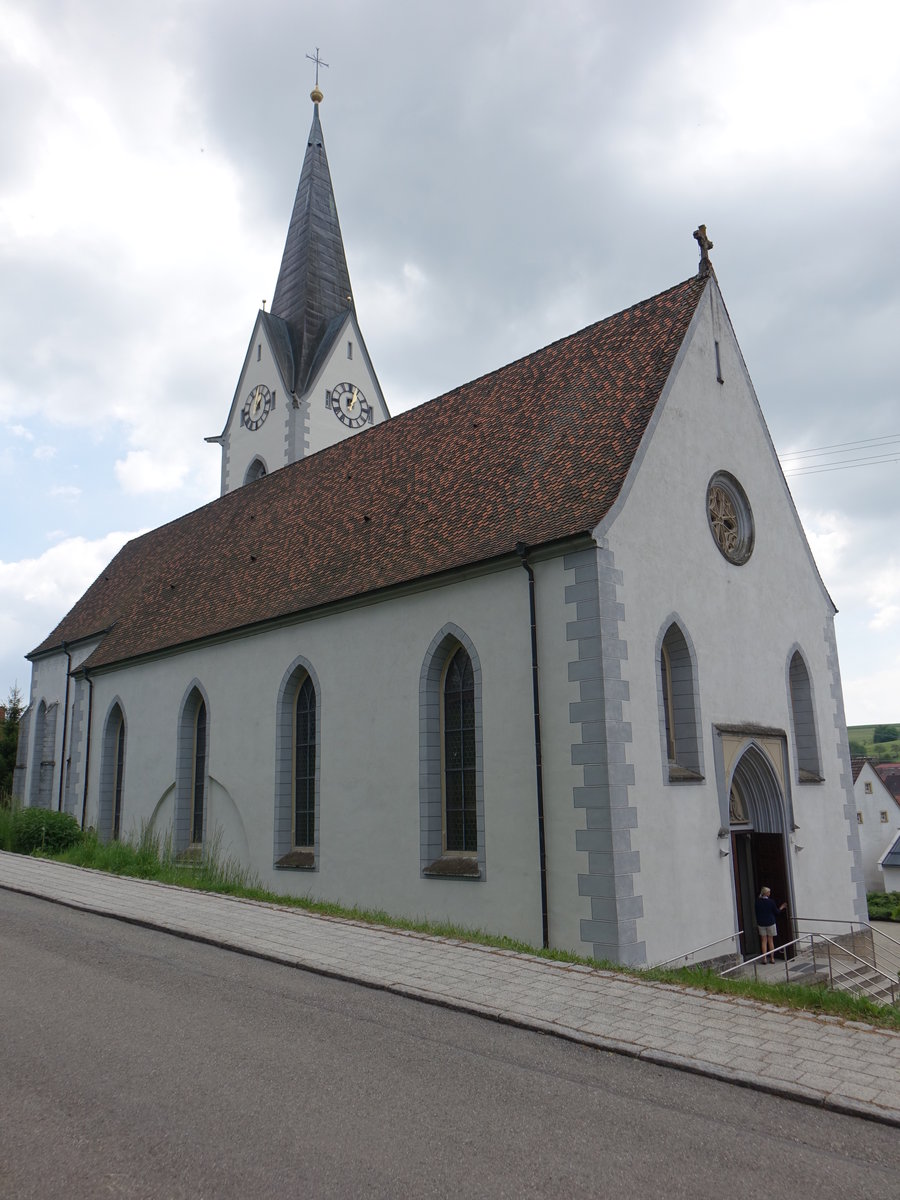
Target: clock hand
{"x": 257, "y": 402}
{"x": 351, "y": 403}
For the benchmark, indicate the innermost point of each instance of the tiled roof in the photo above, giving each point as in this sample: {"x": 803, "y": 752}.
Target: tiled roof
{"x": 534, "y": 452}
{"x": 856, "y": 765}
{"x": 890, "y": 777}
{"x": 892, "y": 857}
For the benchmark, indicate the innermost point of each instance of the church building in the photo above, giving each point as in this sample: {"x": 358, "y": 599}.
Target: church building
{"x": 547, "y": 656}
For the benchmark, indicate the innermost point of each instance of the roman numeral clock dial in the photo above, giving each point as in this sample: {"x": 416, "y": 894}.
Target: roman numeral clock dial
{"x": 349, "y": 405}
{"x": 256, "y": 407}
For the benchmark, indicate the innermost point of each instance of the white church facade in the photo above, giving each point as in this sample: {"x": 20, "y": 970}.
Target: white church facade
{"x": 547, "y": 656}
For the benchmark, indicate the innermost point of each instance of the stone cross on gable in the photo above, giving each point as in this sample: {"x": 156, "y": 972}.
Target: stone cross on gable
{"x": 705, "y": 246}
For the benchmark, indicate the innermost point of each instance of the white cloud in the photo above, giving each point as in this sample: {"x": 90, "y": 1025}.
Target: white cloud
{"x": 151, "y": 471}
{"x": 884, "y": 597}
{"x": 66, "y": 491}
{"x": 20, "y": 431}
{"x": 44, "y": 453}
{"x": 35, "y": 593}
{"x": 829, "y": 534}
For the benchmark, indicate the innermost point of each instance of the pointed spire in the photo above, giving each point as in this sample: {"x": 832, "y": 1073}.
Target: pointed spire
{"x": 313, "y": 283}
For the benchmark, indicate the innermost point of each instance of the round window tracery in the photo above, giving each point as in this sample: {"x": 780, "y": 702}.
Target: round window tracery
{"x": 730, "y": 518}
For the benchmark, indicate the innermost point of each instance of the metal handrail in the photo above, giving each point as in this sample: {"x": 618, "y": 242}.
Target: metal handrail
{"x": 747, "y": 962}
{"x": 860, "y": 924}
{"x": 889, "y": 981}
{"x": 687, "y": 954}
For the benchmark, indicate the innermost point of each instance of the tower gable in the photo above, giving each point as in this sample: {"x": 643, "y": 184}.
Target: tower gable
{"x": 259, "y": 424}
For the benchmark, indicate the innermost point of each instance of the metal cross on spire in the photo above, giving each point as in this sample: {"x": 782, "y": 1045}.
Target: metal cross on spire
{"x": 318, "y": 61}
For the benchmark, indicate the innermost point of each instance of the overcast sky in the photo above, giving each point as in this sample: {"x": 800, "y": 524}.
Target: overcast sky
{"x": 505, "y": 173}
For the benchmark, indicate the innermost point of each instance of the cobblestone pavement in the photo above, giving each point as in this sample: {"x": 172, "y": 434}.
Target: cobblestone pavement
{"x": 842, "y": 1065}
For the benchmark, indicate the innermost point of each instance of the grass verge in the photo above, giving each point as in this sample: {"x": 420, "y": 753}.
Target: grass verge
{"x": 150, "y": 857}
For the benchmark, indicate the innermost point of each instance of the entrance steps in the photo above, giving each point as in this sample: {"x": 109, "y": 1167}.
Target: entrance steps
{"x": 850, "y": 963}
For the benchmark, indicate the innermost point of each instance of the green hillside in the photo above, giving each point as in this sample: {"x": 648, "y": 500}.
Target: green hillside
{"x": 862, "y": 742}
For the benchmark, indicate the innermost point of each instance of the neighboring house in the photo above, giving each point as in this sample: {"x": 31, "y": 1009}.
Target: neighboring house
{"x": 890, "y": 866}
{"x": 547, "y": 656}
{"x": 889, "y": 774}
{"x": 878, "y": 819}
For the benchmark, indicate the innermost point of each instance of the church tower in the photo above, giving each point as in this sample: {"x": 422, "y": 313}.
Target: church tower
{"x": 307, "y": 380}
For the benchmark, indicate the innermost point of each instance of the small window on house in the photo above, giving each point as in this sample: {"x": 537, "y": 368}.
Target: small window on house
{"x": 349, "y": 349}
{"x": 884, "y": 817}
{"x": 859, "y": 818}
{"x": 868, "y": 787}
{"x": 259, "y": 351}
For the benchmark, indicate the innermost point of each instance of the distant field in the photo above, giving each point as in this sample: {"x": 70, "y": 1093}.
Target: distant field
{"x": 883, "y": 751}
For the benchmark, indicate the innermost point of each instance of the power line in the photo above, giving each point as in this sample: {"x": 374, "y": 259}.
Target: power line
{"x": 840, "y": 456}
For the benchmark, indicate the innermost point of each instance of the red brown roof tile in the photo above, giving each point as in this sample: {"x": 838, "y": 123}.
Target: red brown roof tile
{"x": 534, "y": 452}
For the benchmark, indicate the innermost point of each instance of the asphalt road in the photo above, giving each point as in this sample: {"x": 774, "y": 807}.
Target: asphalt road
{"x": 137, "y": 1064}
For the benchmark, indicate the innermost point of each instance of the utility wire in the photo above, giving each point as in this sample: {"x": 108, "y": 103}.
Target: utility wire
{"x": 841, "y": 455}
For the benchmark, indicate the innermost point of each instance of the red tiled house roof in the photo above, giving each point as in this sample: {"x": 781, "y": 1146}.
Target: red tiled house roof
{"x": 534, "y": 452}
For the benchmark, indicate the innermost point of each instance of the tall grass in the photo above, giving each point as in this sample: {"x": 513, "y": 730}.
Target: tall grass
{"x": 149, "y": 855}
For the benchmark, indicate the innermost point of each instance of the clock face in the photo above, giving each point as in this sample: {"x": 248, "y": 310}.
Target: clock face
{"x": 349, "y": 405}
{"x": 256, "y": 407}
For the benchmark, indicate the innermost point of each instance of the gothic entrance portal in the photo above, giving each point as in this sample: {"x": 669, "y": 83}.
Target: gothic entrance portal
{"x": 756, "y": 808}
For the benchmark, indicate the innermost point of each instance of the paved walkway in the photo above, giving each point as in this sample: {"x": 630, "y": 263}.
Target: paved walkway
{"x": 846, "y": 1066}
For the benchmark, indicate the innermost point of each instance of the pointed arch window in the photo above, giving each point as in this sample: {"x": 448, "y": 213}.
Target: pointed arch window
{"x": 198, "y": 781}
{"x": 192, "y": 773}
{"x": 305, "y": 766}
{"x": 679, "y": 702}
{"x": 451, "y": 781}
{"x": 803, "y": 718}
{"x": 458, "y": 717}
{"x": 112, "y": 775}
{"x": 297, "y": 768}
{"x": 43, "y": 762}
{"x": 256, "y": 470}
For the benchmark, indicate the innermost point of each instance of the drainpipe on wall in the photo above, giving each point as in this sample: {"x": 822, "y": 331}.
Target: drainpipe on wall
{"x": 62, "y": 765}
{"x": 87, "y": 747}
{"x": 522, "y": 551}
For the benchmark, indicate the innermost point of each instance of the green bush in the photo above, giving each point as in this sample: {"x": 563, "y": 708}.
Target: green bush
{"x": 885, "y": 733}
{"x": 884, "y": 906}
{"x": 40, "y": 829}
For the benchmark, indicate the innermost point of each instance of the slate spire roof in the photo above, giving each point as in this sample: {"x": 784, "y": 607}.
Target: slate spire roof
{"x": 313, "y": 287}
{"x": 536, "y": 452}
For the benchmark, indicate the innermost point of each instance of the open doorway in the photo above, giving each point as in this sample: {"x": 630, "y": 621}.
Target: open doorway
{"x": 758, "y": 846}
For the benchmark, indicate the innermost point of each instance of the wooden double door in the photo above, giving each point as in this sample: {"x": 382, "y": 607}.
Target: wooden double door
{"x": 759, "y": 861}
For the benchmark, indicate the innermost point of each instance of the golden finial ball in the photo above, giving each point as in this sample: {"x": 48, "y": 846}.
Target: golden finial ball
{"x": 316, "y": 96}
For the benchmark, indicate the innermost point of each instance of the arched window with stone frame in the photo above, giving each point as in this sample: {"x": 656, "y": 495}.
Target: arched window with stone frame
{"x": 256, "y": 470}
{"x": 678, "y": 698}
{"x": 112, "y": 774}
{"x": 43, "y": 757}
{"x": 297, "y": 768}
{"x": 803, "y": 719}
{"x": 192, "y": 772}
{"x": 451, "y": 777}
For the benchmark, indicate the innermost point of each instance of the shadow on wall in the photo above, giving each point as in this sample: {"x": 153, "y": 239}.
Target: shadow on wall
{"x": 224, "y": 823}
